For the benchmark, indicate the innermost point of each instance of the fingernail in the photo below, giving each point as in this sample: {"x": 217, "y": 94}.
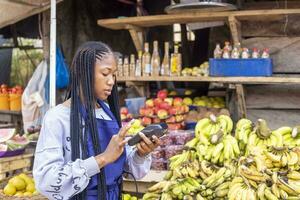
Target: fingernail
{"x": 141, "y": 134}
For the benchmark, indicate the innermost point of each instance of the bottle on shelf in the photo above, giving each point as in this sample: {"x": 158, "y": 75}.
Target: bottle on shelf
{"x": 175, "y": 62}
{"x": 245, "y": 53}
{"x": 138, "y": 66}
{"x": 165, "y": 66}
{"x": 132, "y": 65}
{"x": 120, "y": 67}
{"x": 226, "y": 54}
{"x": 255, "y": 53}
{"x": 235, "y": 54}
{"x": 155, "y": 60}
{"x": 126, "y": 67}
{"x": 146, "y": 61}
{"x": 265, "y": 53}
{"x": 218, "y": 51}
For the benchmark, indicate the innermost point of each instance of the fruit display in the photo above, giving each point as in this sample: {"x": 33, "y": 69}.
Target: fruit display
{"x": 164, "y": 109}
{"x": 4, "y": 89}
{"x": 203, "y": 112}
{"x": 128, "y": 197}
{"x": 20, "y": 186}
{"x": 210, "y": 102}
{"x": 216, "y": 165}
{"x": 125, "y": 115}
{"x": 32, "y": 133}
{"x": 202, "y": 70}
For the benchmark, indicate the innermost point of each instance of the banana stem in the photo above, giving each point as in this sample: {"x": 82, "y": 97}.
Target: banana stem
{"x": 215, "y": 138}
{"x": 262, "y": 128}
{"x": 295, "y": 131}
{"x": 213, "y": 118}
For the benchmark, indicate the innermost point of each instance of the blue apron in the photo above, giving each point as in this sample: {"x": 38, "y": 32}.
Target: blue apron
{"x": 113, "y": 172}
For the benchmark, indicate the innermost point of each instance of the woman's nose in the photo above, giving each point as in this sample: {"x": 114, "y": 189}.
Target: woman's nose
{"x": 111, "y": 80}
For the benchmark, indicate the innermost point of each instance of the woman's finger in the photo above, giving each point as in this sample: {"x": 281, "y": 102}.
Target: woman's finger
{"x": 145, "y": 147}
{"x": 156, "y": 141}
{"x": 146, "y": 140}
{"x": 140, "y": 149}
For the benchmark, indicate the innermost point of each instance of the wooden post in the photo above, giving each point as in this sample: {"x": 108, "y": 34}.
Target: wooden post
{"x": 235, "y": 29}
{"x": 242, "y": 111}
{"x": 137, "y": 36}
{"x": 46, "y": 34}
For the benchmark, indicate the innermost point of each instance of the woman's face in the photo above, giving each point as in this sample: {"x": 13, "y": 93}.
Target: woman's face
{"x": 105, "y": 71}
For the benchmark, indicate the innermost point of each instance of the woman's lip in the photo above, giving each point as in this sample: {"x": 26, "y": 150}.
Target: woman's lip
{"x": 107, "y": 92}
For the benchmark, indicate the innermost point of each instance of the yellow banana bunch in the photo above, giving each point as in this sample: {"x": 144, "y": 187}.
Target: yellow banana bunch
{"x": 239, "y": 190}
{"x": 263, "y": 137}
{"x": 242, "y": 132}
{"x": 291, "y": 136}
{"x": 206, "y": 127}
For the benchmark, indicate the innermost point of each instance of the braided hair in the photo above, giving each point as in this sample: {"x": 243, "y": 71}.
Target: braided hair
{"x": 81, "y": 92}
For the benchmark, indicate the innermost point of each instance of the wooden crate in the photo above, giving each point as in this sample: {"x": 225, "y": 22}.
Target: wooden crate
{"x": 11, "y": 165}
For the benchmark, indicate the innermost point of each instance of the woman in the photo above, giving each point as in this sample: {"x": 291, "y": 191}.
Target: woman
{"x": 82, "y": 152}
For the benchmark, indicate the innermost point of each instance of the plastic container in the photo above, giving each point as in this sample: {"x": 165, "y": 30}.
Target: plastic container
{"x": 15, "y": 102}
{"x": 134, "y": 104}
{"x": 4, "y": 102}
{"x": 241, "y": 67}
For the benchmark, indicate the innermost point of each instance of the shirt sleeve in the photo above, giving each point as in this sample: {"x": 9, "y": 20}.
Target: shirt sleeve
{"x": 138, "y": 166}
{"x": 55, "y": 178}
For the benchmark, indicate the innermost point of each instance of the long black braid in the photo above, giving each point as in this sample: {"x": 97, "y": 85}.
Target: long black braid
{"x": 82, "y": 97}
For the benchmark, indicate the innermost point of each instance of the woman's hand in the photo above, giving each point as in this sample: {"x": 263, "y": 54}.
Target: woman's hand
{"x": 115, "y": 147}
{"x": 147, "y": 146}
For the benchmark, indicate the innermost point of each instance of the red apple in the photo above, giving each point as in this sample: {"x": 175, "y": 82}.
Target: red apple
{"x": 124, "y": 110}
{"x": 162, "y": 114}
{"x": 169, "y": 101}
{"x": 146, "y": 121}
{"x": 18, "y": 87}
{"x": 157, "y": 102}
{"x": 156, "y": 120}
{"x": 172, "y": 119}
{"x": 177, "y": 101}
{"x": 180, "y": 109}
{"x": 149, "y": 112}
{"x": 149, "y": 103}
{"x": 162, "y": 94}
{"x": 155, "y": 110}
{"x": 13, "y": 90}
{"x": 173, "y": 111}
{"x": 142, "y": 111}
{"x": 4, "y": 91}
{"x": 164, "y": 105}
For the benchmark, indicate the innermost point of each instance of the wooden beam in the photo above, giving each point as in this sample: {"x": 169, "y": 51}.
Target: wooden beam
{"x": 189, "y": 17}
{"x": 235, "y": 29}
{"x": 241, "y": 80}
{"x": 137, "y": 35}
{"x": 240, "y": 94}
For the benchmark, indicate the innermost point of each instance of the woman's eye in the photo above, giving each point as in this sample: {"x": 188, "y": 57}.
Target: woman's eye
{"x": 104, "y": 74}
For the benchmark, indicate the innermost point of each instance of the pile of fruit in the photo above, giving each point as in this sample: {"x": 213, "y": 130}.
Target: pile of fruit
{"x": 164, "y": 109}
{"x": 258, "y": 163}
{"x": 202, "y": 70}
{"x": 20, "y": 186}
{"x": 125, "y": 115}
{"x": 195, "y": 115}
{"x": 210, "y": 102}
{"x": 10, "y": 141}
{"x": 128, "y": 197}
{"x": 33, "y": 133}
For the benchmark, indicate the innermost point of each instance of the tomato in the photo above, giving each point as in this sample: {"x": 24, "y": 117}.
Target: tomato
{"x": 18, "y": 87}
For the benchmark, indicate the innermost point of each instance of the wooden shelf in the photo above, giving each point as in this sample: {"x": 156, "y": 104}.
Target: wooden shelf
{"x": 239, "y": 80}
{"x": 182, "y": 18}
{"x": 143, "y": 184}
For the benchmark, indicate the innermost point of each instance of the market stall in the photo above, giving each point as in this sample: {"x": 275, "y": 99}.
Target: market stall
{"x": 219, "y": 160}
